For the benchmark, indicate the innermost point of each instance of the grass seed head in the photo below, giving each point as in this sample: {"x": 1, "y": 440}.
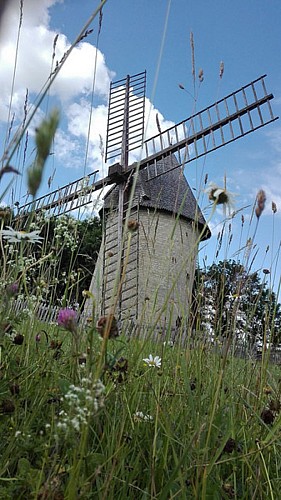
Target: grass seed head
{"x": 260, "y": 203}
{"x": 273, "y": 207}
{"x": 221, "y": 69}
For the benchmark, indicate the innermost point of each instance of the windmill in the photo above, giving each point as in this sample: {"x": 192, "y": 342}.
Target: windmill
{"x": 147, "y": 272}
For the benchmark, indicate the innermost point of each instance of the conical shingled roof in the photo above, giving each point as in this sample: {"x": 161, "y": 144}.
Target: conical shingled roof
{"x": 169, "y": 192}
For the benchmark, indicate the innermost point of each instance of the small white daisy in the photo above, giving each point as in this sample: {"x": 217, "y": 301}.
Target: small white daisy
{"x": 139, "y": 416}
{"x": 153, "y": 361}
{"x": 13, "y": 236}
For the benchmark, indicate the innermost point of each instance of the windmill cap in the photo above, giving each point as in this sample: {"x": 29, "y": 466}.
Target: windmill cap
{"x": 169, "y": 192}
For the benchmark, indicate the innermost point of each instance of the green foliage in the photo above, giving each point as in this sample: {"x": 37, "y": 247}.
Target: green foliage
{"x": 232, "y": 302}
{"x": 76, "y": 245}
{"x": 59, "y": 269}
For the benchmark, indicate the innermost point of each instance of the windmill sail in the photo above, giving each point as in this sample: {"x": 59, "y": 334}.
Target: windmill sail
{"x": 236, "y": 115}
{"x": 125, "y": 124}
{"x": 228, "y": 119}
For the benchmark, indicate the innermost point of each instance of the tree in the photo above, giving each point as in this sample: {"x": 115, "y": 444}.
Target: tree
{"x": 59, "y": 269}
{"x": 231, "y": 302}
{"x": 76, "y": 245}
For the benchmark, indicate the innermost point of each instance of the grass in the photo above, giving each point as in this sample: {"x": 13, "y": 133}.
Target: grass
{"x": 201, "y": 426}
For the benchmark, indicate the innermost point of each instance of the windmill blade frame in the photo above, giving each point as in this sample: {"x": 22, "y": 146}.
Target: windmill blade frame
{"x": 245, "y": 110}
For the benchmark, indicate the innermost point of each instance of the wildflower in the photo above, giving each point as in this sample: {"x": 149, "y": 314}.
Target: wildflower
{"x": 13, "y": 236}
{"x": 267, "y": 390}
{"x": 267, "y": 416}
{"x": 67, "y": 318}
{"x": 153, "y": 361}
{"x": 139, "y": 416}
{"x": 82, "y": 359}
{"x": 132, "y": 225}
{"x": 274, "y": 405}
{"x": 260, "y": 200}
{"x": 168, "y": 343}
{"x": 81, "y": 402}
{"x": 18, "y": 339}
{"x": 55, "y": 344}
{"x": 107, "y": 326}
{"x": 220, "y": 196}
{"x": 12, "y": 289}
{"x": 7, "y": 406}
{"x": 230, "y": 446}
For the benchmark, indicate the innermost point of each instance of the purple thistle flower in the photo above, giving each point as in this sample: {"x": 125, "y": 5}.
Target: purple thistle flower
{"x": 67, "y": 318}
{"x": 12, "y": 289}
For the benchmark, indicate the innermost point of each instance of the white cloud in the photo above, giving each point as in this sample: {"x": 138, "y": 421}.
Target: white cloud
{"x": 275, "y": 138}
{"x": 71, "y": 90}
{"x": 89, "y": 127}
{"x": 34, "y": 59}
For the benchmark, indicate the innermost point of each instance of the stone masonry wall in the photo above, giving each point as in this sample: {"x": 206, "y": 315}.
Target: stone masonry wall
{"x": 167, "y": 257}
{"x": 160, "y": 271}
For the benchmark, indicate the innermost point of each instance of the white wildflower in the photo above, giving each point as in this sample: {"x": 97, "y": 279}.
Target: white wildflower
{"x": 220, "y": 196}
{"x": 81, "y": 402}
{"x": 153, "y": 361}
{"x": 168, "y": 343}
{"x": 13, "y": 236}
{"x": 139, "y": 416}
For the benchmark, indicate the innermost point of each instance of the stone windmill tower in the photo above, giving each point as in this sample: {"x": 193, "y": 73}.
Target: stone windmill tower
{"x": 160, "y": 246}
{"x": 152, "y": 223}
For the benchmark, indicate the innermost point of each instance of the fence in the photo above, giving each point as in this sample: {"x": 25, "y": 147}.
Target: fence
{"x": 48, "y": 314}
{"x": 44, "y": 312}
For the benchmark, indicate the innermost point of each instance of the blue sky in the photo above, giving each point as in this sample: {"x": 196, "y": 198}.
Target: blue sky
{"x": 245, "y": 35}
